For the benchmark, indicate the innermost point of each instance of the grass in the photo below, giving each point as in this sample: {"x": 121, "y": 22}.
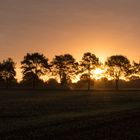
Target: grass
{"x": 41, "y": 113}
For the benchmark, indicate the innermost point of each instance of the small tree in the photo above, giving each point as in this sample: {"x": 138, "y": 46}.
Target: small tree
{"x": 34, "y": 65}
{"x": 118, "y": 66}
{"x": 7, "y": 71}
{"x": 65, "y": 67}
{"x": 89, "y": 62}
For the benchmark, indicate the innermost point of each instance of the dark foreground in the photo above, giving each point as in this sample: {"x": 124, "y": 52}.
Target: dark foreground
{"x": 70, "y": 115}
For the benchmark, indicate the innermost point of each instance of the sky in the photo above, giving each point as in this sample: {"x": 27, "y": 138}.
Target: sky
{"x": 53, "y": 27}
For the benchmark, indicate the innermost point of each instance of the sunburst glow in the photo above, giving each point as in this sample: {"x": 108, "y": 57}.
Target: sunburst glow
{"x": 98, "y": 73}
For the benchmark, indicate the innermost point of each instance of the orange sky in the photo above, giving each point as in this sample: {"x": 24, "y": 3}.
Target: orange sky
{"x": 103, "y": 27}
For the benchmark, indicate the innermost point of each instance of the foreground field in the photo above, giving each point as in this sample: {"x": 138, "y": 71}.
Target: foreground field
{"x": 68, "y": 115}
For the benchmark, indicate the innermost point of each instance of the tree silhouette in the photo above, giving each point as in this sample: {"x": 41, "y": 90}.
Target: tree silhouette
{"x": 34, "y": 65}
{"x": 118, "y": 65}
{"x": 89, "y": 62}
{"x": 64, "y": 66}
{"x": 84, "y": 77}
{"x": 52, "y": 83}
{"x": 136, "y": 68}
{"x": 7, "y": 71}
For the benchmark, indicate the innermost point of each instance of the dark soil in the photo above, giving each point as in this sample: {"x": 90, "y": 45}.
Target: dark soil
{"x": 122, "y": 122}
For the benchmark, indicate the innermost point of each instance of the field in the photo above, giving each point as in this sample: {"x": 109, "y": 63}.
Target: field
{"x": 69, "y": 115}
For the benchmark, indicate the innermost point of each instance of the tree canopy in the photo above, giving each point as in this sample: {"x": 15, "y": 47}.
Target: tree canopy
{"x": 118, "y": 66}
{"x": 63, "y": 71}
{"x": 34, "y": 65}
{"x": 7, "y": 71}
{"x": 64, "y": 66}
{"x": 136, "y": 68}
{"x": 89, "y": 62}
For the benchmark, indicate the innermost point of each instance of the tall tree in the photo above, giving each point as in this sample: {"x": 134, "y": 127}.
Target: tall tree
{"x": 7, "y": 71}
{"x": 64, "y": 66}
{"x": 89, "y": 62}
{"x": 34, "y": 65}
{"x": 118, "y": 66}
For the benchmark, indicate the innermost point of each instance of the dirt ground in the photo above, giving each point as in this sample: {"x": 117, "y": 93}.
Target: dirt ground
{"x": 70, "y": 115}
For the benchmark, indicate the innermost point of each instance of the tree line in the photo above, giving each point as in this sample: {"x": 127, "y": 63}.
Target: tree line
{"x": 65, "y": 68}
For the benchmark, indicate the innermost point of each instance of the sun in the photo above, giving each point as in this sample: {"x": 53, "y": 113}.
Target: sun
{"x": 98, "y": 73}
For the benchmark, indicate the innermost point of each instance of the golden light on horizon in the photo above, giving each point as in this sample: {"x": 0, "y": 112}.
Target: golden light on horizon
{"x": 18, "y": 74}
{"x": 98, "y": 73}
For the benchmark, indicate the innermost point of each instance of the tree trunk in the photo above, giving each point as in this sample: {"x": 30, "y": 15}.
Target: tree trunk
{"x": 116, "y": 84}
{"x": 34, "y": 83}
{"x": 88, "y": 80}
{"x": 7, "y": 83}
{"x": 64, "y": 81}
{"x": 89, "y": 84}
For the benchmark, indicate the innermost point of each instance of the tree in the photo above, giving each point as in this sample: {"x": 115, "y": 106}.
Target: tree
{"x": 34, "y": 65}
{"x": 7, "y": 71}
{"x": 89, "y": 62}
{"x": 52, "y": 84}
{"x": 118, "y": 66}
{"x": 64, "y": 66}
{"x": 136, "y": 68}
{"x": 84, "y": 77}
